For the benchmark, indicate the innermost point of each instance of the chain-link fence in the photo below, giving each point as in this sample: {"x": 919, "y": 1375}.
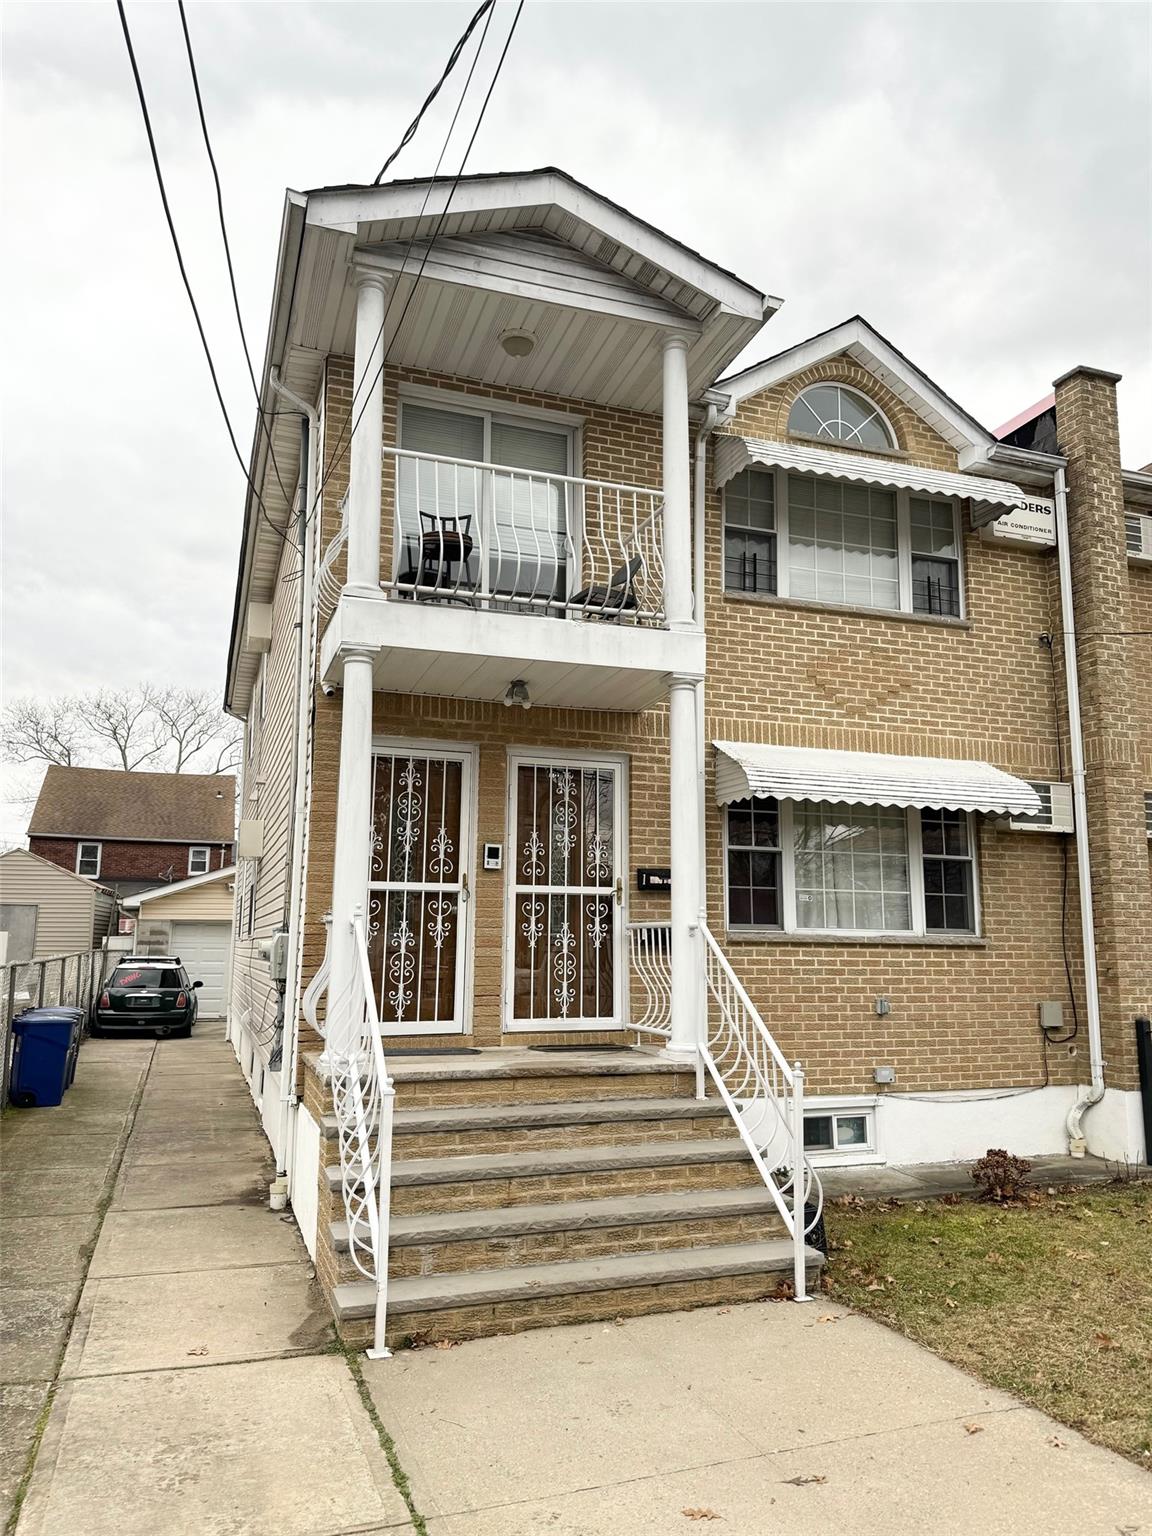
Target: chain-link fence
{"x": 67, "y": 980}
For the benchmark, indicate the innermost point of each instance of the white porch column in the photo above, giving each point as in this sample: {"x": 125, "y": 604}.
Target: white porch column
{"x": 352, "y": 862}
{"x": 686, "y": 951}
{"x": 364, "y": 454}
{"x": 677, "y": 486}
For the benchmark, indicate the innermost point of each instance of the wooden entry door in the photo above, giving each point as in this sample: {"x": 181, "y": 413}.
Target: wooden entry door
{"x": 565, "y": 915}
{"x": 418, "y": 895}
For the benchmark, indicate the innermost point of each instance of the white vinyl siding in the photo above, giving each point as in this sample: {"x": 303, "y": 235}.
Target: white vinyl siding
{"x": 71, "y": 914}
{"x": 830, "y": 541}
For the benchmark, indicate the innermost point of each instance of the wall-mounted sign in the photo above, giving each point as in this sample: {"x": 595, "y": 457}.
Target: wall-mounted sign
{"x": 653, "y": 879}
{"x": 1030, "y": 526}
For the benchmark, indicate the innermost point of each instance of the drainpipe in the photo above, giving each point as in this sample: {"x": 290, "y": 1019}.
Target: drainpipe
{"x": 699, "y": 494}
{"x": 306, "y": 645}
{"x": 1076, "y": 1144}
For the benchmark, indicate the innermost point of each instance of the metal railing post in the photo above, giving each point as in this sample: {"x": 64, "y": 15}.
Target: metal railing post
{"x": 380, "y": 1350}
{"x": 43, "y": 967}
{"x": 799, "y": 1269}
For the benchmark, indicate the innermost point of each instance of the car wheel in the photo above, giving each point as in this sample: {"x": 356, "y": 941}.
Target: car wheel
{"x": 182, "y": 1034}
{"x": 94, "y": 1028}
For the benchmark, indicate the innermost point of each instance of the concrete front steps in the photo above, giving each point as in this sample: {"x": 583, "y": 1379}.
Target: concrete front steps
{"x": 530, "y": 1190}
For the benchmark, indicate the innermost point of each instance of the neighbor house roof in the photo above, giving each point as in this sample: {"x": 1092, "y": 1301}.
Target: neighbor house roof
{"x": 106, "y": 803}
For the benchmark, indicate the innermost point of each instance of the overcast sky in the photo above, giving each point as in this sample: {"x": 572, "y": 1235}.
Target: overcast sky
{"x": 972, "y": 178}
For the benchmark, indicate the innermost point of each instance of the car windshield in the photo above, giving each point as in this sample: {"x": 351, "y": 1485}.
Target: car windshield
{"x": 145, "y": 976}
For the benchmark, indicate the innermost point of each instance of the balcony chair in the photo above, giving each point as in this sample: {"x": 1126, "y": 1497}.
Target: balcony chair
{"x": 617, "y": 597}
{"x": 445, "y": 542}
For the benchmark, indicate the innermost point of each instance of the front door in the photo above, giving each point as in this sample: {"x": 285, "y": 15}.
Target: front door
{"x": 418, "y": 895}
{"x": 565, "y": 917}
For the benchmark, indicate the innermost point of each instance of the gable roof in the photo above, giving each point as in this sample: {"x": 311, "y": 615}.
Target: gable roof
{"x": 26, "y": 853}
{"x": 107, "y": 803}
{"x": 156, "y": 892}
{"x": 865, "y": 345}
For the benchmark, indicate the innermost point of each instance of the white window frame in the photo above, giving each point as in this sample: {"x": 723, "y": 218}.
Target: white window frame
{"x": 893, "y": 444}
{"x": 818, "y": 1106}
{"x": 919, "y": 928}
{"x": 206, "y": 850}
{"x": 903, "y": 549}
{"x": 80, "y": 847}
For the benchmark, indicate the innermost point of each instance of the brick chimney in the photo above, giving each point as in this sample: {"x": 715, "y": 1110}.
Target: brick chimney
{"x": 1088, "y": 436}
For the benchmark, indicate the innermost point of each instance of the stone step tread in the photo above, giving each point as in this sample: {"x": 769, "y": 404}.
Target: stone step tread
{"x": 485, "y": 1287}
{"x": 416, "y": 1171}
{"x": 486, "y": 1117}
{"x": 568, "y": 1216}
{"x": 511, "y": 1062}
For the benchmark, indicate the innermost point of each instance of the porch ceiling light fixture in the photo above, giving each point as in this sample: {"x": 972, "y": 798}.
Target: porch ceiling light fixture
{"x": 517, "y": 343}
{"x": 517, "y": 693}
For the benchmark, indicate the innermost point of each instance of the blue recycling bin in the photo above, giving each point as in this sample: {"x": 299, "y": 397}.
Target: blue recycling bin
{"x": 45, "y": 1042}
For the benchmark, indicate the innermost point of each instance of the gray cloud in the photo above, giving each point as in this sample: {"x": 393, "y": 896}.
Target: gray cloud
{"x": 974, "y": 178}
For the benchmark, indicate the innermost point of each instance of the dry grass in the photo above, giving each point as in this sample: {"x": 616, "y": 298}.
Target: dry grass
{"x": 1050, "y": 1299}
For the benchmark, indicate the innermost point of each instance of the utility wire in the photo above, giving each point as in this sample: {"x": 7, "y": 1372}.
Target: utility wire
{"x": 453, "y": 57}
{"x": 342, "y": 447}
{"x": 228, "y": 248}
{"x": 184, "y": 271}
{"x": 338, "y": 451}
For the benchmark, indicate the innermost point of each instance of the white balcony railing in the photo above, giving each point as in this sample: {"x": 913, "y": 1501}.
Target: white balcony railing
{"x": 491, "y": 537}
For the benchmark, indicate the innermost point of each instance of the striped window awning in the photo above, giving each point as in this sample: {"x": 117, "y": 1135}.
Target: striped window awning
{"x": 987, "y": 499}
{"x": 746, "y": 770}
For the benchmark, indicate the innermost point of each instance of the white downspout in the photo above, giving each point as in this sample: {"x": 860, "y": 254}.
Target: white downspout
{"x": 304, "y": 664}
{"x": 1076, "y": 1144}
{"x": 699, "y": 531}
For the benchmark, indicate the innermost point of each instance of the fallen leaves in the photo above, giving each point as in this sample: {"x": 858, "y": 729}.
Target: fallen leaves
{"x": 701, "y": 1513}
{"x": 973, "y": 1429}
{"x": 201, "y": 1349}
{"x": 804, "y": 1480}
{"x": 1105, "y": 1341}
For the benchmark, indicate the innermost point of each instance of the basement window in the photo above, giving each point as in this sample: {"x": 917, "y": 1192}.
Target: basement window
{"x": 850, "y": 1132}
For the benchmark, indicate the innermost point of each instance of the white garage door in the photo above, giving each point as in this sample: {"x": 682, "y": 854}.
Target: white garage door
{"x": 203, "y": 950}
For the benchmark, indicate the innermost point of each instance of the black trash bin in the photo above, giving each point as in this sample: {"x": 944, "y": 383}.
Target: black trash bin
{"x": 45, "y": 1042}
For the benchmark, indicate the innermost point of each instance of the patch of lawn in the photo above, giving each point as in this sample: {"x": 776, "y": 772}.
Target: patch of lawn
{"x": 1050, "y": 1299}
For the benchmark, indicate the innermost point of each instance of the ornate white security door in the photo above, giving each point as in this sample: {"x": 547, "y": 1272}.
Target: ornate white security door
{"x": 565, "y": 920}
{"x": 418, "y": 896}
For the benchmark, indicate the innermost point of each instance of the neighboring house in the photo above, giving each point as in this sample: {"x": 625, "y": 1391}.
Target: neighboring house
{"x": 46, "y": 910}
{"x": 635, "y": 700}
{"x": 192, "y": 919}
{"x": 132, "y": 830}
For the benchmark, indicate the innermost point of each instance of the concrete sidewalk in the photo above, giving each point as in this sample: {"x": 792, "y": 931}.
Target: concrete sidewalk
{"x": 172, "y": 1372}
{"x": 189, "y": 1367}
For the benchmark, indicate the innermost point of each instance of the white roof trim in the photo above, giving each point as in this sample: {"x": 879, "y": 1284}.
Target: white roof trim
{"x": 746, "y": 770}
{"x": 989, "y": 499}
{"x": 868, "y": 348}
{"x": 157, "y": 891}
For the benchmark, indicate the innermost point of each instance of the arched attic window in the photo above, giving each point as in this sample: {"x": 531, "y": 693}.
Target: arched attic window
{"x": 841, "y": 414}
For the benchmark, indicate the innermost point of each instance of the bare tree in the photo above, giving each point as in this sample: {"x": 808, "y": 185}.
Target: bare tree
{"x": 194, "y": 725}
{"x": 169, "y": 730}
{"x": 43, "y": 731}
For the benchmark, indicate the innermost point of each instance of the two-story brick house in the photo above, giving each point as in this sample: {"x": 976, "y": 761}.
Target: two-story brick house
{"x": 622, "y": 730}
{"x": 133, "y": 831}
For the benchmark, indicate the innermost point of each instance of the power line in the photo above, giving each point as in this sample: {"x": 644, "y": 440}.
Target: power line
{"x": 338, "y": 450}
{"x": 228, "y": 248}
{"x": 184, "y": 271}
{"x": 410, "y": 131}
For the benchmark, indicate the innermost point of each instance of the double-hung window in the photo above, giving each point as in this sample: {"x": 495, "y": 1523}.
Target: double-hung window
{"x": 199, "y": 861}
{"x": 811, "y": 867}
{"x": 88, "y": 860}
{"x": 831, "y": 541}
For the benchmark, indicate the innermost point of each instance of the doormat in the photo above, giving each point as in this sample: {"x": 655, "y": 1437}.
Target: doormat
{"x": 620, "y": 1050}
{"x": 436, "y": 1050}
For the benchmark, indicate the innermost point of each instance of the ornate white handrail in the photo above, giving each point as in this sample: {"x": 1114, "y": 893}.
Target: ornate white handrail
{"x": 316, "y": 988}
{"x": 483, "y": 534}
{"x": 764, "y": 1096}
{"x": 327, "y": 583}
{"x": 363, "y": 1099}
{"x": 650, "y": 954}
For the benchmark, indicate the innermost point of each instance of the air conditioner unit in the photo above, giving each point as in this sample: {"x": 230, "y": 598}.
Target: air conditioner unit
{"x": 1138, "y": 537}
{"x": 1055, "y": 811}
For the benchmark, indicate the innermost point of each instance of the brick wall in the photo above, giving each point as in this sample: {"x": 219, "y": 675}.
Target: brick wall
{"x": 963, "y": 1014}
{"x": 130, "y": 860}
